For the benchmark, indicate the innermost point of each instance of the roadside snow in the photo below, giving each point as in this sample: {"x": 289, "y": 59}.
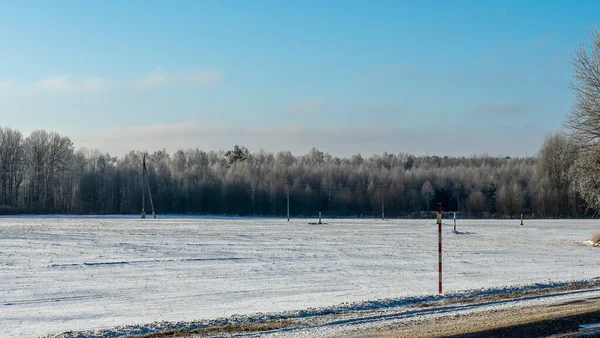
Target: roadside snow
{"x": 589, "y": 330}
{"x": 589, "y": 326}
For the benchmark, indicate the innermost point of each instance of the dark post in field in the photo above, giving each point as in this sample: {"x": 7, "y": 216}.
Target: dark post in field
{"x": 439, "y": 222}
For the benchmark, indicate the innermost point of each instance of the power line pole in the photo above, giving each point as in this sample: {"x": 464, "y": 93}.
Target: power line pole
{"x": 150, "y": 196}
{"x": 146, "y": 182}
{"x": 287, "y": 183}
{"x": 143, "y": 188}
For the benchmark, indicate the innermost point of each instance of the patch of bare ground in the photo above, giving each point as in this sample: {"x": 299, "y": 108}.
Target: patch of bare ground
{"x": 222, "y": 329}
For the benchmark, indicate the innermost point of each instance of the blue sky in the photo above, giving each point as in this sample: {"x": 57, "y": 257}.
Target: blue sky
{"x": 425, "y": 77}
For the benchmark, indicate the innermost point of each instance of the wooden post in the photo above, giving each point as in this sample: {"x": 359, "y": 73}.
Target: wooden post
{"x": 288, "y": 199}
{"x": 454, "y": 222}
{"x": 521, "y": 218}
{"x": 439, "y": 221}
{"x": 320, "y": 218}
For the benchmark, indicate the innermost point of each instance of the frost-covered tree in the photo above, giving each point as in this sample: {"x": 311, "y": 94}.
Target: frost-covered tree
{"x": 51, "y": 177}
{"x": 584, "y": 120}
{"x": 476, "y": 202}
{"x": 427, "y": 193}
{"x": 553, "y": 171}
{"x": 11, "y": 165}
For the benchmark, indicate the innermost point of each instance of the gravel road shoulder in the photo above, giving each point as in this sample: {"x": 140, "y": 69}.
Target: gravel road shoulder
{"x": 558, "y": 320}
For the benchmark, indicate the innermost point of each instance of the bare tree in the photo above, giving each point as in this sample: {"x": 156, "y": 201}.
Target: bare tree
{"x": 11, "y": 165}
{"x": 584, "y": 119}
{"x": 510, "y": 199}
{"x": 476, "y": 202}
{"x": 36, "y": 152}
{"x": 47, "y": 176}
{"x": 427, "y": 192}
{"x": 556, "y": 156}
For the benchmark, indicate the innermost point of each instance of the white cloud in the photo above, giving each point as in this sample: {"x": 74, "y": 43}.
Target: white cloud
{"x": 194, "y": 77}
{"x": 198, "y": 77}
{"x": 154, "y": 79}
{"x": 306, "y": 107}
{"x": 53, "y": 83}
{"x": 94, "y": 84}
{"x": 495, "y": 109}
{"x": 6, "y": 87}
{"x": 67, "y": 84}
{"x": 5, "y": 84}
{"x": 299, "y": 140}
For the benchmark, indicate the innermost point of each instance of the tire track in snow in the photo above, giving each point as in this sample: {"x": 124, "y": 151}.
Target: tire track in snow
{"x": 65, "y": 265}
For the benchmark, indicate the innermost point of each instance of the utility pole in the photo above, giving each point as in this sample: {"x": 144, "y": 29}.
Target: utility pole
{"x": 287, "y": 183}
{"x": 150, "y": 196}
{"x": 143, "y": 188}
{"x": 147, "y": 183}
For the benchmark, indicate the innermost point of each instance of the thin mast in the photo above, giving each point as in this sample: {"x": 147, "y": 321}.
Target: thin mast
{"x": 143, "y": 180}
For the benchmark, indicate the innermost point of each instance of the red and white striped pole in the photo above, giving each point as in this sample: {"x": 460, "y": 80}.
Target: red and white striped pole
{"x": 439, "y": 221}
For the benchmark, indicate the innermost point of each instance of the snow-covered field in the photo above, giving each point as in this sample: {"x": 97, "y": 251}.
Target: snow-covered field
{"x": 63, "y": 274}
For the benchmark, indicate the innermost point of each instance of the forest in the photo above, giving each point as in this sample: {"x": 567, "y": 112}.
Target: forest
{"x": 44, "y": 173}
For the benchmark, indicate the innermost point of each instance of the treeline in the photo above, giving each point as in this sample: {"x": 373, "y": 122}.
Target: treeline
{"x": 43, "y": 173}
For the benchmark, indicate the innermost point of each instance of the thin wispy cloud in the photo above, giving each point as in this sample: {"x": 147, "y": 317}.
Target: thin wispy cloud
{"x": 498, "y": 109}
{"x": 53, "y": 83}
{"x": 194, "y": 77}
{"x": 66, "y": 84}
{"x": 367, "y": 140}
{"x": 378, "y": 109}
{"x": 306, "y": 107}
{"x": 5, "y": 86}
{"x": 312, "y": 107}
{"x": 95, "y": 84}
{"x": 70, "y": 84}
{"x": 152, "y": 80}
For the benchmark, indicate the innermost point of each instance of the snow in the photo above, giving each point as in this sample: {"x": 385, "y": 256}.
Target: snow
{"x": 71, "y": 274}
{"x": 589, "y": 330}
{"x": 589, "y": 326}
